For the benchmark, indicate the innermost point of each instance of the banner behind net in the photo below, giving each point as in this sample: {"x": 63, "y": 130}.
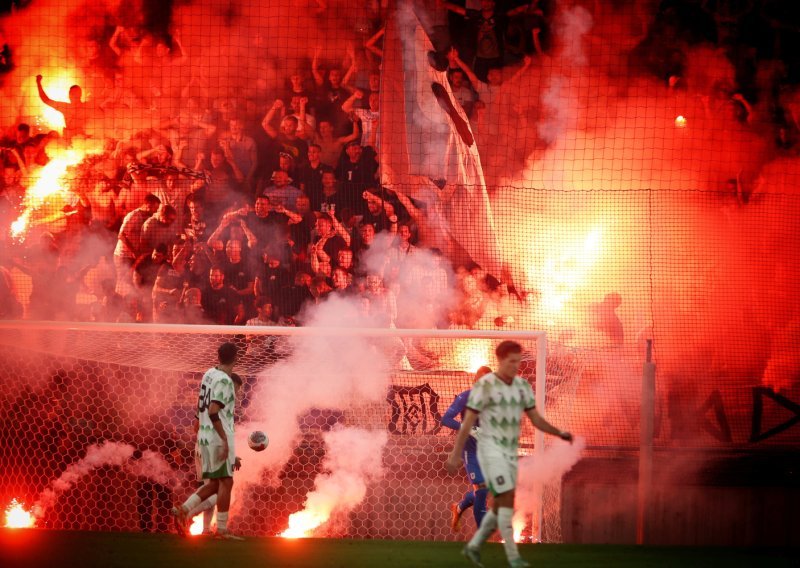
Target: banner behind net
{"x": 608, "y": 173}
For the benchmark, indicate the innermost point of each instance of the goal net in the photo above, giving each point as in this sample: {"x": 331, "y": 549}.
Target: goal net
{"x": 97, "y": 428}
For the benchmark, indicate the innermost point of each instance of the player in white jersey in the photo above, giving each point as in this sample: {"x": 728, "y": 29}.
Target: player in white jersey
{"x": 207, "y": 506}
{"x": 215, "y": 438}
{"x": 499, "y": 399}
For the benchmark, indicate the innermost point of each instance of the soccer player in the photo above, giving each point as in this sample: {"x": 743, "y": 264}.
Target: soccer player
{"x": 207, "y": 506}
{"x": 477, "y": 494}
{"x": 499, "y": 398}
{"x": 215, "y": 437}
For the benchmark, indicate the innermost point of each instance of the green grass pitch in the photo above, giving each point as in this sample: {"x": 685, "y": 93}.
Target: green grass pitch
{"x": 56, "y": 549}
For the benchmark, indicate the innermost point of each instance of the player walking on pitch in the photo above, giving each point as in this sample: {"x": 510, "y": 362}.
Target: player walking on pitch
{"x": 499, "y": 398}
{"x": 476, "y": 495}
{"x": 215, "y": 438}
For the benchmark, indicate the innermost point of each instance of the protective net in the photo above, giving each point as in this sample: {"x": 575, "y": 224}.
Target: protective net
{"x": 609, "y": 172}
{"x": 97, "y": 430}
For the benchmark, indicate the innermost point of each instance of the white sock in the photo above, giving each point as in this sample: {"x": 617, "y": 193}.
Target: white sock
{"x": 504, "y": 515}
{"x": 204, "y": 506}
{"x": 222, "y": 521}
{"x": 488, "y": 524}
{"x": 192, "y": 502}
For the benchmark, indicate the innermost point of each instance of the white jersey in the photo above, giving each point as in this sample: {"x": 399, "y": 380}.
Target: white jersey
{"x": 216, "y": 386}
{"x": 501, "y": 406}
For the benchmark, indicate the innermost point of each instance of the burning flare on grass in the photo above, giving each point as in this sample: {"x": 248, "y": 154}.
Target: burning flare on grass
{"x": 196, "y": 527}
{"x": 17, "y": 517}
{"x": 302, "y": 523}
{"x": 353, "y": 459}
{"x": 47, "y": 195}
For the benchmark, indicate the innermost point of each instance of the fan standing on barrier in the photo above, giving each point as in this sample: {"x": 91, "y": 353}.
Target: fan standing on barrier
{"x": 476, "y": 496}
{"x": 500, "y": 398}
{"x": 215, "y": 438}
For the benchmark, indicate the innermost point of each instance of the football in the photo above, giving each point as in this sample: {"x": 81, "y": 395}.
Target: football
{"x": 258, "y": 441}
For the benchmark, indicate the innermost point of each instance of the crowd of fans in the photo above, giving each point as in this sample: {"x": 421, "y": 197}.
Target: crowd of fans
{"x": 241, "y": 210}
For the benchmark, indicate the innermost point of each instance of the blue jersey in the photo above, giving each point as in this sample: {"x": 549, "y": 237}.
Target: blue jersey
{"x": 458, "y": 408}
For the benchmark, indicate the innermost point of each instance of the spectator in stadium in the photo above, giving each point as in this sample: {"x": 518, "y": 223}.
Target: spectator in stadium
{"x": 331, "y": 238}
{"x": 281, "y": 192}
{"x": 130, "y": 242}
{"x": 220, "y": 302}
{"x": 379, "y": 213}
{"x": 292, "y": 298}
{"x": 287, "y": 138}
{"x": 160, "y": 228}
{"x": 286, "y": 164}
{"x": 462, "y": 91}
{"x": 369, "y": 117}
{"x": 169, "y": 284}
{"x": 310, "y": 174}
{"x": 13, "y": 190}
{"x": 225, "y": 181}
{"x": 145, "y": 272}
{"x": 382, "y": 301}
{"x": 240, "y": 151}
{"x": 23, "y": 140}
{"x": 306, "y": 123}
{"x": 331, "y": 146}
{"x": 332, "y": 90}
{"x": 195, "y": 224}
{"x": 342, "y": 282}
{"x": 356, "y": 172}
{"x": 238, "y": 270}
{"x": 75, "y": 112}
{"x": 271, "y": 276}
{"x": 191, "y": 306}
{"x": 263, "y": 312}
{"x": 487, "y": 28}
{"x": 301, "y": 223}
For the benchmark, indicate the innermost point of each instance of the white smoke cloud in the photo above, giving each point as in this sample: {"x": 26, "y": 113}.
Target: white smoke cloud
{"x": 150, "y": 465}
{"x": 353, "y": 459}
{"x": 97, "y": 456}
{"x": 554, "y": 462}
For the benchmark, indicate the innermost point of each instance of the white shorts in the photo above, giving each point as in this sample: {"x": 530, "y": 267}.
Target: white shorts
{"x": 499, "y": 469}
{"x": 212, "y": 466}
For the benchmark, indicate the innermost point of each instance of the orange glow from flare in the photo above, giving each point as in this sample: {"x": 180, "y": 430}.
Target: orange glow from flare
{"x": 518, "y": 526}
{"x": 680, "y": 121}
{"x": 17, "y": 517}
{"x": 56, "y": 84}
{"x": 565, "y": 272}
{"x": 471, "y": 354}
{"x": 196, "y": 527}
{"x": 302, "y": 523}
{"x": 47, "y": 195}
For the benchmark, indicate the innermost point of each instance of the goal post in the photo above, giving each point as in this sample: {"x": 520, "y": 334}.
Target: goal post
{"x": 108, "y": 408}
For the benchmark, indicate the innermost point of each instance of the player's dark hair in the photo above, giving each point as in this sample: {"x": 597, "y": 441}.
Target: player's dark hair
{"x": 506, "y": 348}
{"x": 482, "y": 371}
{"x": 237, "y": 379}
{"x": 227, "y": 353}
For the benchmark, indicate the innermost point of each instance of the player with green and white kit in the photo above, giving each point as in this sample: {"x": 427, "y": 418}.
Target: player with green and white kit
{"x": 499, "y": 399}
{"x": 215, "y": 440}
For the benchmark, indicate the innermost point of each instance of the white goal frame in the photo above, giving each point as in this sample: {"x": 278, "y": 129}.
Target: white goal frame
{"x": 540, "y": 337}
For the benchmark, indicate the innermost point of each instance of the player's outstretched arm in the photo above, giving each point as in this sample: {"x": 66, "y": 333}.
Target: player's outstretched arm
{"x": 454, "y": 460}
{"x": 539, "y": 422}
